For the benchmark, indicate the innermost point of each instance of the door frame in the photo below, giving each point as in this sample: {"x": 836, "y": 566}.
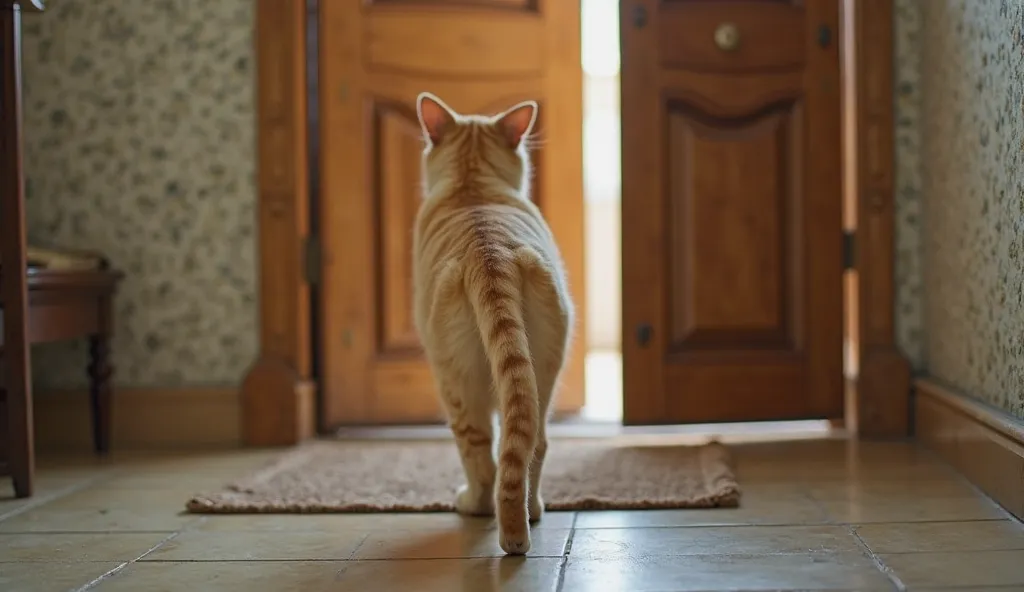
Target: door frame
{"x": 278, "y": 394}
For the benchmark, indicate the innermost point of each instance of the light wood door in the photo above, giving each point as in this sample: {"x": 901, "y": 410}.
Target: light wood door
{"x": 732, "y": 226}
{"x": 375, "y": 57}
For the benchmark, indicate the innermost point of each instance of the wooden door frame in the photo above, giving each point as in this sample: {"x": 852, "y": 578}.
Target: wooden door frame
{"x": 879, "y": 406}
{"x": 278, "y": 392}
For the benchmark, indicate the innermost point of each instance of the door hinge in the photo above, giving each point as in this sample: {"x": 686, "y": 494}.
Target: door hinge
{"x": 848, "y": 250}
{"x": 312, "y": 261}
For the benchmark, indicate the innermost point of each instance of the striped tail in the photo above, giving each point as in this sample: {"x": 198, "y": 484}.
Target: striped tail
{"x": 494, "y": 286}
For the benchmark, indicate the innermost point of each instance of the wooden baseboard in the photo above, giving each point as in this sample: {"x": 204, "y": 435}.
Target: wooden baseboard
{"x": 142, "y": 419}
{"x": 987, "y": 446}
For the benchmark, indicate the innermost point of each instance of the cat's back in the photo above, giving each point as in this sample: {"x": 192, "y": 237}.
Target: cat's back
{"x": 451, "y": 233}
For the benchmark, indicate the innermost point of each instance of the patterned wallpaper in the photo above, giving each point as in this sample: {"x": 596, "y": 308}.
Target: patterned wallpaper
{"x": 908, "y": 179}
{"x": 140, "y": 143}
{"x": 972, "y": 160}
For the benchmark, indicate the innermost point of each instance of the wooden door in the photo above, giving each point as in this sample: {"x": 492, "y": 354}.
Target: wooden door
{"x": 375, "y": 58}
{"x": 731, "y": 206}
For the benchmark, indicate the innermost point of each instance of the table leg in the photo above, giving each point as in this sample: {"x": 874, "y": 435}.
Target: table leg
{"x": 100, "y": 372}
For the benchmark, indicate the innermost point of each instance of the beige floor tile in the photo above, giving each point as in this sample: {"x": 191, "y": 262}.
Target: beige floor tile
{"x": 226, "y": 464}
{"x": 71, "y": 547}
{"x": 367, "y": 522}
{"x": 50, "y": 577}
{"x": 111, "y": 493}
{"x": 892, "y": 489}
{"x": 469, "y": 575}
{"x": 637, "y": 543}
{"x": 90, "y": 511}
{"x": 452, "y": 544}
{"x": 726, "y": 572}
{"x": 866, "y": 473}
{"x": 795, "y": 509}
{"x": 258, "y": 546}
{"x": 508, "y": 574}
{"x": 182, "y": 485}
{"x": 933, "y": 509}
{"x": 964, "y": 569}
{"x": 46, "y": 488}
{"x": 988, "y": 535}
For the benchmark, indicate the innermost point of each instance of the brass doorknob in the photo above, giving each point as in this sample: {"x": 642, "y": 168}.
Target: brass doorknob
{"x": 727, "y": 37}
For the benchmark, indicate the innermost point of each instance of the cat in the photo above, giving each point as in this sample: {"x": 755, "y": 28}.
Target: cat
{"x": 492, "y": 306}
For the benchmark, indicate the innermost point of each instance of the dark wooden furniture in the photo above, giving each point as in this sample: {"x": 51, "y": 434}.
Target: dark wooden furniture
{"x": 18, "y": 444}
{"x": 66, "y": 305}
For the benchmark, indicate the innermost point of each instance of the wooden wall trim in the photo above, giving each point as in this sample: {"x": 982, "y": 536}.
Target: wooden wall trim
{"x": 141, "y": 419}
{"x": 277, "y": 396}
{"x": 881, "y": 406}
{"x": 987, "y": 446}
{"x": 997, "y": 421}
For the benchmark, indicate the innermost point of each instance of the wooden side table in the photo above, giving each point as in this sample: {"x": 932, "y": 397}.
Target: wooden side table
{"x": 66, "y": 305}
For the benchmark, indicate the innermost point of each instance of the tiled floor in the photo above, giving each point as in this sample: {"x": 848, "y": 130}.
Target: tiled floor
{"x": 816, "y": 515}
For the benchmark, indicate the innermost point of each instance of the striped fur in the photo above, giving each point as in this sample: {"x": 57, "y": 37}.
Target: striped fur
{"x": 491, "y": 306}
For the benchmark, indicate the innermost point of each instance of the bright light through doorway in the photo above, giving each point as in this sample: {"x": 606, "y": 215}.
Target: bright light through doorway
{"x": 602, "y": 195}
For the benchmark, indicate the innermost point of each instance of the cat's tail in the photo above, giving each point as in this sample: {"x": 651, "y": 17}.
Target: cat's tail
{"x": 494, "y": 283}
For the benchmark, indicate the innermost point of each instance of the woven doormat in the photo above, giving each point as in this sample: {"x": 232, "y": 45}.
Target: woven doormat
{"x": 422, "y": 476}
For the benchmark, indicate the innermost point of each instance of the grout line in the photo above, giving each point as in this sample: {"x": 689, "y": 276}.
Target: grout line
{"x": 343, "y": 560}
{"x": 93, "y": 583}
{"x": 124, "y": 565}
{"x": 564, "y": 562}
{"x": 875, "y": 559}
{"x": 74, "y": 532}
{"x": 960, "y": 552}
{"x": 165, "y": 540}
{"x": 358, "y": 546}
{"x": 852, "y": 530}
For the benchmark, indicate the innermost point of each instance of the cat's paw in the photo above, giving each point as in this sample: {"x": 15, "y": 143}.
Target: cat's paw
{"x": 474, "y": 503}
{"x": 536, "y": 508}
{"x": 515, "y": 541}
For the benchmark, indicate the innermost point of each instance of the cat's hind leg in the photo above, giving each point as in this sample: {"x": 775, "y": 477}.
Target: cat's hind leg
{"x": 463, "y": 380}
{"x": 469, "y": 411}
{"x": 549, "y": 323}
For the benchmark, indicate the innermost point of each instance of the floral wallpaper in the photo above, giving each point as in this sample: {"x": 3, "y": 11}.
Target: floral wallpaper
{"x": 971, "y": 127}
{"x": 908, "y": 178}
{"x": 139, "y": 132}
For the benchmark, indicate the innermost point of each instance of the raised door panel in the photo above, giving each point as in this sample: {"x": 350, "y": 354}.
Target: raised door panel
{"x": 733, "y": 204}
{"x": 396, "y": 172}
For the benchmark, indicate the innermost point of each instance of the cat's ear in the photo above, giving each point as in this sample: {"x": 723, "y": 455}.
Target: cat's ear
{"x": 435, "y": 117}
{"x": 517, "y": 122}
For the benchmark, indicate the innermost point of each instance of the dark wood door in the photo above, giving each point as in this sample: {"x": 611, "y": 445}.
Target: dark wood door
{"x": 376, "y": 57}
{"x": 732, "y": 226}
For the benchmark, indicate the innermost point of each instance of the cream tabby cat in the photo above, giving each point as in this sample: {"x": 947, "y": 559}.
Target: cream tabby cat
{"x": 491, "y": 306}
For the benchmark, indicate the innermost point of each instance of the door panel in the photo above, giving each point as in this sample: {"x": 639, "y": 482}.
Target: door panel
{"x": 376, "y": 57}
{"x": 732, "y": 235}
{"x": 728, "y": 237}
{"x": 396, "y": 169}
